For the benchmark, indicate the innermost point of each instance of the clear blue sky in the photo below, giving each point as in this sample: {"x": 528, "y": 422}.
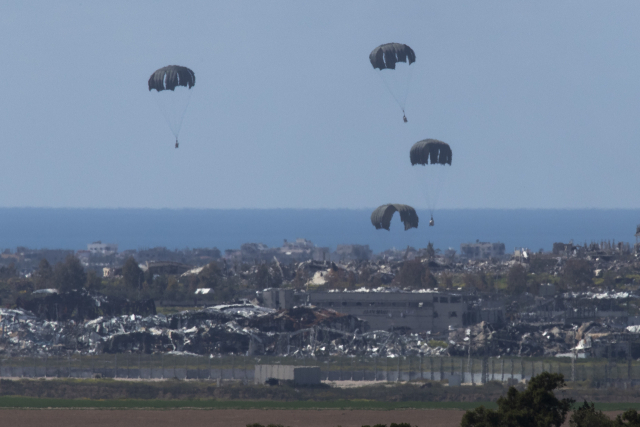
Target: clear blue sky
{"x": 539, "y": 101}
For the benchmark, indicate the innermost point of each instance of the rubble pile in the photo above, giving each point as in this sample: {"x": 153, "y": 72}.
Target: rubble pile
{"x": 228, "y": 329}
{"x": 220, "y": 330}
{"x": 379, "y": 344}
{"x": 590, "y": 339}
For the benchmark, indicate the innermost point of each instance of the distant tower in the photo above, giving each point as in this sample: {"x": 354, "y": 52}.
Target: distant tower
{"x": 637, "y": 246}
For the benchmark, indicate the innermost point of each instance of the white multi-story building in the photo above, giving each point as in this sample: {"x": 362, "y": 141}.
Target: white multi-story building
{"x": 99, "y": 248}
{"x": 482, "y": 250}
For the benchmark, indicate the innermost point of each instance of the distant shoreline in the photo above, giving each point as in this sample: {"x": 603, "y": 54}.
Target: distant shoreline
{"x": 135, "y": 228}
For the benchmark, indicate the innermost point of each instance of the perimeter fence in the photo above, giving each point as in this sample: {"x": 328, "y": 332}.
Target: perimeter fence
{"x": 596, "y": 372}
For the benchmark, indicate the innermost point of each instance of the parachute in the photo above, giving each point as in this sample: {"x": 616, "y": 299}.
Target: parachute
{"x": 432, "y": 154}
{"x": 430, "y": 149}
{"x": 381, "y": 217}
{"x": 168, "y": 78}
{"x": 387, "y": 55}
{"x": 390, "y": 59}
{"x": 172, "y": 85}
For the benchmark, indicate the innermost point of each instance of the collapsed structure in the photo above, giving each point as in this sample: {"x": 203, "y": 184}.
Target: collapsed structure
{"x": 227, "y": 329}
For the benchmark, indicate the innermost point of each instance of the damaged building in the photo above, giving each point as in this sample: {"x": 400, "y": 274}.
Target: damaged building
{"x": 389, "y": 309}
{"x": 482, "y": 250}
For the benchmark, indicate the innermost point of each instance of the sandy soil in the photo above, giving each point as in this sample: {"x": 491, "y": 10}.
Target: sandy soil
{"x": 229, "y": 418}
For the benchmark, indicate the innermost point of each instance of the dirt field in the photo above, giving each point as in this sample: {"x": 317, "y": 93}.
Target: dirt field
{"x": 228, "y": 418}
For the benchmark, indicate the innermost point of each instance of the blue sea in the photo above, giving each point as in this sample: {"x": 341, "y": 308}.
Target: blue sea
{"x": 228, "y": 228}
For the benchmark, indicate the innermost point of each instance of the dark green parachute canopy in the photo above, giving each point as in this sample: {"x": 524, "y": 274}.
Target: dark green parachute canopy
{"x": 167, "y": 78}
{"x": 386, "y": 55}
{"x": 430, "y": 151}
{"x": 381, "y": 217}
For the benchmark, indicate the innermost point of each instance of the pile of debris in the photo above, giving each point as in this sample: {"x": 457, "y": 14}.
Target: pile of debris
{"x": 590, "y": 339}
{"x": 379, "y": 344}
{"x": 228, "y": 329}
{"x": 220, "y": 330}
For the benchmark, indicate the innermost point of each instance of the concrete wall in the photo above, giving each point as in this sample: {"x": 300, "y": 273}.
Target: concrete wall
{"x": 301, "y": 375}
{"x": 278, "y": 298}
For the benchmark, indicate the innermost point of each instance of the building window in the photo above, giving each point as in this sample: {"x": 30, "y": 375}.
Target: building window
{"x": 435, "y": 314}
{"x": 453, "y": 314}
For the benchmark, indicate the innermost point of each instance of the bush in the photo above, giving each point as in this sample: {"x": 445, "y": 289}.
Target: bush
{"x": 536, "y": 406}
{"x": 587, "y": 416}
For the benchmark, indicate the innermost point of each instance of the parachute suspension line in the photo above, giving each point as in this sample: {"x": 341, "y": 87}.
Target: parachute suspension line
{"x": 401, "y": 102}
{"x": 391, "y": 92}
{"x": 431, "y": 185}
{"x": 165, "y": 109}
{"x": 406, "y": 90}
{"x": 436, "y": 187}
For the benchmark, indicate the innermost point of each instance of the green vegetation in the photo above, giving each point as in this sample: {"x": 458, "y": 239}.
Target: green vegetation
{"x": 36, "y": 402}
{"x": 44, "y": 402}
{"x": 537, "y": 406}
{"x": 436, "y": 343}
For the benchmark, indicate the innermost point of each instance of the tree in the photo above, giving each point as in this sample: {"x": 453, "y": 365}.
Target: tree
{"x": 578, "y": 272}
{"x": 587, "y": 416}
{"x": 69, "y": 274}
{"x": 536, "y": 406}
{"x": 263, "y": 278}
{"x": 94, "y": 282}
{"x": 148, "y": 277}
{"x": 429, "y": 280}
{"x": 43, "y": 276}
{"x": 7, "y": 272}
{"x": 481, "y": 281}
{"x": 517, "y": 280}
{"x": 609, "y": 280}
{"x": 630, "y": 418}
{"x": 446, "y": 280}
{"x": 411, "y": 274}
{"x": 132, "y": 275}
{"x": 430, "y": 251}
{"x": 175, "y": 291}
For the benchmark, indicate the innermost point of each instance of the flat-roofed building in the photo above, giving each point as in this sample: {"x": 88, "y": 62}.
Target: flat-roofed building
{"x": 414, "y": 311}
{"x": 99, "y": 248}
{"x": 482, "y": 250}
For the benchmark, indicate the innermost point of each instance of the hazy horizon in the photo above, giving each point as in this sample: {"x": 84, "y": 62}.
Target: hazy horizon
{"x": 71, "y": 228}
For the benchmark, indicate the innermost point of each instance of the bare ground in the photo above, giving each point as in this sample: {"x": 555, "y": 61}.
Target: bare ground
{"x": 229, "y": 418}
